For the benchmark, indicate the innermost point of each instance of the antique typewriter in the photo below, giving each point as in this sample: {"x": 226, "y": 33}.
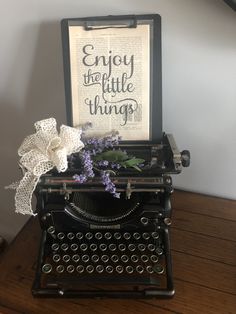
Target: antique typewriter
{"x": 95, "y": 245}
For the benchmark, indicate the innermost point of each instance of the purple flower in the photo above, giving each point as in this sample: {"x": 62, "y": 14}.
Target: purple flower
{"x": 109, "y": 185}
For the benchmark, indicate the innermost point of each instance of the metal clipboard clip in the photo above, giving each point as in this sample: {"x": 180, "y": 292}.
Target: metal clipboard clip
{"x": 105, "y": 24}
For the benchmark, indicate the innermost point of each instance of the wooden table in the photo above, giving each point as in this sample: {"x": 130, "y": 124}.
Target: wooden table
{"x": 204, "y": 260}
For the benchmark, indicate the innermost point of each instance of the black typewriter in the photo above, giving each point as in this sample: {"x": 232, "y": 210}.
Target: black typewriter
{"x": 95, "y": 245}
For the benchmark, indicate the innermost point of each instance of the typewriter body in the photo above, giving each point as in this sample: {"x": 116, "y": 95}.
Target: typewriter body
{"x": 95, "y": 245}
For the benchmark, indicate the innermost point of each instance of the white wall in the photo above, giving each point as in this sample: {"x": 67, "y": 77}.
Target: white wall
{"x": 199, "y": 72}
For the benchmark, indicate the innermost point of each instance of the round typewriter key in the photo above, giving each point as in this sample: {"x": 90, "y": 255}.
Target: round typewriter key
{"x": 79, "y": 235}
{"x": 105, "y": 258}
{"x": 51, "y": 229}
{"x": 83, "y": 247}
{"x": 89, "y": 235}
{"x": 109, "y": 269}
{"x": 98, "y": 235}
{"x": 144, "y": 258}
{"x": 146, "y": 236}
{"x": 117, "y": 235}
{"x": 149, "y": 269}
{"x": 151, "y": 247}
{"x": 85, "y": 258}
{"x": 60, "y": 269}
{"x": 66, "y": 258}
{"x": 103, "y": 247}
{"x": 60, "y": 236}
{"x": 144, "y": 220}
{"x": 47, "y": 268}
{"x": 159, "y": 251}
{"x": 112, "y": 247}
{"x": 108, "y": 235}
{"x": 95, "y": 258}
{"x": 136, "y": 236}
{"x": 74, "y": 247}
{"x": 158, "y": 269}
{"x": 141, "y": 247}
{"x": 93, "y": 247}
{"x": 140, "y": 269}
{"x": 134, "y": 258}
{"x": 64, "y": 246}
{"x": 119, "y": 269}
{"x": 80, "y": 269}
{"x": 75, "y": 258}
{"x": 129, "y": 269}
{"x": 115, "y": 258}
{"x": 122, "y": 247}
{"x": 56, "y": 258}
{"x": 154, "y": 258}
{"x": 99, "y": 269}
{"x": 155, "y": 235}
{"x": 90, "y": 269}
{"x": 124, "y": 258}
{"x": 132, "y": 247}
{"x": 127, "y": 235}
{"x": 70, "y": 235}
{"x": 55, "y": 246}
{"x": 70, "y": 269}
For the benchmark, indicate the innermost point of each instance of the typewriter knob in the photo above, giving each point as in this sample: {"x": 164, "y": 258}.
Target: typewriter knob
{"x": 185, "y": 158}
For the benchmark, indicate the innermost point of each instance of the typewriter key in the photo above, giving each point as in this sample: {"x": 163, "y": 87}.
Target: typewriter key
{"x": 134, "y": 258}
{"x": 132, "y": 247}
{"x": 61, "y": 236}
{"x": 144, "y": 221}
{"x": 122, "y": 247}
{"x": 85, "y": 258}
{"x": 80, "y": 269}
{"x": 108, "y": 235}
{"x": 66, "y": 258}
{"x": 98, "y": 235}
{"x": 112, "y": 247}
{"x": 103, "y": 247}
{"x": 83, "y": 247}
{"x": 149, "y": 269}
{"x": 151, "y": 247}
{"x": 146, "y": 236}
{"x": 93, "y": 247}
{"x": 129, "y": 269}
{"x": 74, "y": 247}
{"x": 154, "y": 258}
{"x": 155, "y": 235}
{"x": 144, "y": 258}
{"x": 117, "y": 235}
{"x": 158, "y": 269}
{"x": 64, "y": 246}
{"x": 70, "y": 235}
{"x": 79, "y": 235}
{"x": 90, "y": 269}
{"x": 159, "y": 251}
{"x": 60, "y": 269}
{"x": 115, "y": 258}
{"x": 51, "y": 230}
{"x": 105, "y": 258}
{"x": 119, "y": 269}
{"x": 136, "y": 236}
{"x": 75, "y": 258}
{"x": 89, "y": 235}
{"x": 47, "y": 268}
{"x": 56, "y": 258}
{"x": 141, "y": 247}
{"x": 55, "y": 246}
{"x": 109, "y": 269}
{"x": 124, "y": 258}
{"x": 140, "y": 269}
{"x": 99, "y": 269}
{"x": 95, "y": 258}
{"x": 70, "y": 269}
{"x": 127, "y": 235}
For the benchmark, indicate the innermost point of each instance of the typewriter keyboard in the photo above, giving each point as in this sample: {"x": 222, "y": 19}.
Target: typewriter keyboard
{"x": 104, "y": 253}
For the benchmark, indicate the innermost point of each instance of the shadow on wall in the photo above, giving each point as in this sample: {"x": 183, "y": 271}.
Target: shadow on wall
{"x": 43, "y": 97}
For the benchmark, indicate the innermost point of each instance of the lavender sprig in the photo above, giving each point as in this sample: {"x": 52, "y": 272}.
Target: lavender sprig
{"x": 109, "y": 185}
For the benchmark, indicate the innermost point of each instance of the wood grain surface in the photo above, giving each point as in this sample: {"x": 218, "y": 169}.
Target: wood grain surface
{"x": 203, "y": 237}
